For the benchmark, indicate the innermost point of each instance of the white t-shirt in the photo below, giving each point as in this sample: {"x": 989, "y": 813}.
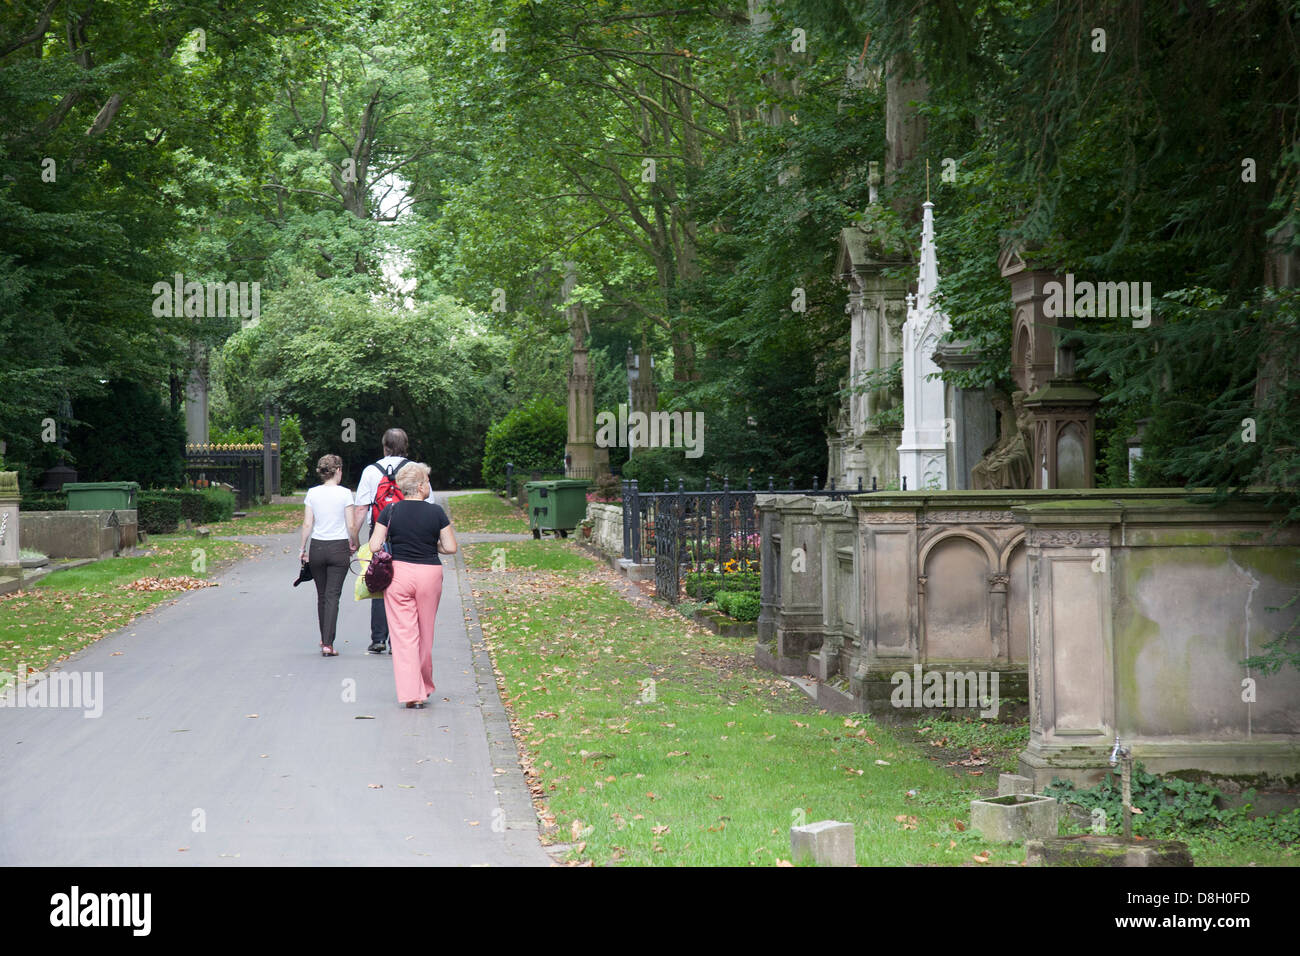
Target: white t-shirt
{"x": 329, "y": 508}
{"x": 369, "y": 484}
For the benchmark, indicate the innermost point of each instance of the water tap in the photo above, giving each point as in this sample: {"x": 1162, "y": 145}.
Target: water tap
{"x": 1119, "y": 753}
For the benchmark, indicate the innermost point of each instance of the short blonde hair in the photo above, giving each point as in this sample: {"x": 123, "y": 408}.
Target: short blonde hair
{"x": 410, "y": 476}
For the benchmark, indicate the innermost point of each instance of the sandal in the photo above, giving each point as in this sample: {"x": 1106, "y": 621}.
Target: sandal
{"x": 327, "y": 650}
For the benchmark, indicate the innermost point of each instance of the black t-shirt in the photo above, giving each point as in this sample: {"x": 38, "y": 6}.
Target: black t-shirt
{"x": 413, "y": 530}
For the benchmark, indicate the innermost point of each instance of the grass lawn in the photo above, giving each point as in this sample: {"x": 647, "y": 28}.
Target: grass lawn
{"x": 262, "y": 519}
{"x": 657, "y": 742}
{"x": 485, "y": 512}
{"x": 68, "y": 610}
{"x": 652, "y": 741}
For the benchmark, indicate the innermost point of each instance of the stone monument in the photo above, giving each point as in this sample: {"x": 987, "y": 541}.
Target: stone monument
{"x": 642, "y": 394}
{"x": 971, "y": 412}
{"x": 1064, "y": 410}
{"x": 11, "y": 569}
{"x": 583, "y": 459}
{"x": 860, "y": 445}
{"x": 922, "y": 452}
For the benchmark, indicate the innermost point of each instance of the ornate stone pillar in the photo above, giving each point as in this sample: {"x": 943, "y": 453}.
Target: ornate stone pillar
{"x": 196, "y": 397}
{"x": 876, "y": 310}
{"x": 1063, "y": 409}
{"x": 922, "y": 455}
{"x": 584, "y": 459}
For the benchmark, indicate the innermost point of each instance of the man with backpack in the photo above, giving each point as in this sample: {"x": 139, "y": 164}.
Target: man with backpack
{"x": 376, "y": 490}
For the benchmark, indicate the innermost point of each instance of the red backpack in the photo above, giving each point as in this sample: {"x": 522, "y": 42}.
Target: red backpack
{"x": 387, "y": 493}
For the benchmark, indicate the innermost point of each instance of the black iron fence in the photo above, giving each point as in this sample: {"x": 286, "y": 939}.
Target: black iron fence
{"x": 712, "y": 530}
{"x": 240, "y": 466}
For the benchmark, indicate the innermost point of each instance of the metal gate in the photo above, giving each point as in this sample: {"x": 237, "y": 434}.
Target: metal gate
{"x": 667, "y": 551}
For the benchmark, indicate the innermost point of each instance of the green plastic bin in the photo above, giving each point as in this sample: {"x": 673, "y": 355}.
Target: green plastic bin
{"x": 101, "y": 495}
{"x": 558, "y": 505}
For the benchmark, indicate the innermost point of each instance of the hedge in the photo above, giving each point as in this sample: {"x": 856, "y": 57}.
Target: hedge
{"x": 44, "y": 501}
{"x": 218, "y": 504}
{"x": 702, "y": 586}
{"x": 158, "y": 512}
{"x": 530, "y": 436}
{"x": 741, "y": 605}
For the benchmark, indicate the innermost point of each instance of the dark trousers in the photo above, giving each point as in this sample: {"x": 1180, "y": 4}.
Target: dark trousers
{"x": 378, "y": 616}
{"x": 329, "y": 566}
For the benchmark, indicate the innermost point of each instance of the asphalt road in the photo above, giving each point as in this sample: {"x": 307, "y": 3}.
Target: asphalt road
{"x": 226, "y": 739}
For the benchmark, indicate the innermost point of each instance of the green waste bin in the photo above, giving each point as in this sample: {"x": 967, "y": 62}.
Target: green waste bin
{"x": 558, "y": 505}
{"x": 101, "y": 495}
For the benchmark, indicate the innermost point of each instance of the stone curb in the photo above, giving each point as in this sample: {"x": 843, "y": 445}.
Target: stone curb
{"x": 511, "y": 788}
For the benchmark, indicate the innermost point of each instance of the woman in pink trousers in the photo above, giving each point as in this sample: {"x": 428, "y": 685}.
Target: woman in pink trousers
{"x": 416, "y": 529}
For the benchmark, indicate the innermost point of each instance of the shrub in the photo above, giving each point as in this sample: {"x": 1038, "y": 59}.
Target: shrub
{"x": 741, "y": 605}
{"x": 128, "y": 434}
{"x": 532, "y": 436}
{"x": 650, "y": 466}
{"x": 293, "y": 456}
{"x": 702, "y": 586}
{"x": 44, "y": 501}
{"x": 607, "y": 488}
{"x": 218, "y": 505}
{"x": 158, "y": 512}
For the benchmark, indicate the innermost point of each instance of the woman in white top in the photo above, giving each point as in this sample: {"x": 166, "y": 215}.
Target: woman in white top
{"x": 325, "y": 522}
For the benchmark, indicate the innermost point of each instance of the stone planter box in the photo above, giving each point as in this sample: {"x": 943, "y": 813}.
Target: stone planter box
{"x": 1090, "y": 850}
{"x": 1015, "y": 817}
{"x": 719, "y": 623}
{"x": 78, "y": 534}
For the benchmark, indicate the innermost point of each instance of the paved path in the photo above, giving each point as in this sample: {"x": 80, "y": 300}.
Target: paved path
{"x": 177, "y": 772}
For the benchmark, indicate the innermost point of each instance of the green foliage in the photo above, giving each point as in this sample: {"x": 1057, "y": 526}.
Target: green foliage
{"x": 44, "y": 501}
{"x": 329, "y": 356}
{"x": 248, "y": 435}
{"x": 608, "y": 488}
{"x": 651, "y": 466}
{"x": 703, "y": 585}
{"x": 293, "y": 455}
{"x": 128, "y": 433}
{"x": 218, "y": 504}
{"x": 157, "y": 512}
{"x": 1175, "y": 807}
{"x": 530, "y": 436}
{"x": 742, "y": 605}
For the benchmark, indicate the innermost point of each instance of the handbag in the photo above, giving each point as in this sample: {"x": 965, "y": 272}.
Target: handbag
{"x": 304, "y": 574}
{"x": 379, "y": 572}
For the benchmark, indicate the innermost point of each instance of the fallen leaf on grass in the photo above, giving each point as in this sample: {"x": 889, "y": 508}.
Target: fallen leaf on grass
{"x": 660, "y": 830}
{"x": 679, "y": 753}
{"x": 959, "y": 825}
{"x": 981, "y": 857}
{"x": 182, "y": 583}
{"x": 882, "y": 763}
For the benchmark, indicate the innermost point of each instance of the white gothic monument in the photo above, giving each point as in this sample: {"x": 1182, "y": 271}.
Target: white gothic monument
{"x": 922, "y": 457}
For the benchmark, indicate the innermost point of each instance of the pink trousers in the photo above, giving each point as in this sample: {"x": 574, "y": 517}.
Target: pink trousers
{"x": 411, "y": 604}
